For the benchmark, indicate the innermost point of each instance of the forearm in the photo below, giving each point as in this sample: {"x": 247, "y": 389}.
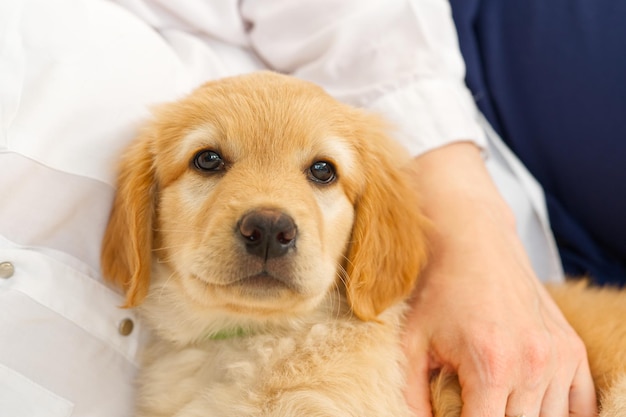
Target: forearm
{"x": 460, "y": 198}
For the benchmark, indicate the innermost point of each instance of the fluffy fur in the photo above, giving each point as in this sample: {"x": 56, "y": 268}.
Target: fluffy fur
{"x": 308, "y": 326}
{"x": 313, "y": 332}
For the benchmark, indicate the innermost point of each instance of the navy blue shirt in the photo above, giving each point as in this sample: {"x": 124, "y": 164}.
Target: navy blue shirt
{"x": 550, "y": 76}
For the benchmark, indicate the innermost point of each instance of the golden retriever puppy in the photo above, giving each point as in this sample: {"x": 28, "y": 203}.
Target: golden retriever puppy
{"x": 269, "y": 237}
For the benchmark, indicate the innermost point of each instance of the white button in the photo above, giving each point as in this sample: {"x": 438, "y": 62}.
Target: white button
{"x": 6, "y": 269}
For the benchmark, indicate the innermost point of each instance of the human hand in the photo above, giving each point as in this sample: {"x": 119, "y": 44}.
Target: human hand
{"x": 480, "y": 312}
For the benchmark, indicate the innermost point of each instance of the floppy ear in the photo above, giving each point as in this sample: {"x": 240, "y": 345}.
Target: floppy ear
{"x": 388, "y": 245}
{"x": 127, "y": 245}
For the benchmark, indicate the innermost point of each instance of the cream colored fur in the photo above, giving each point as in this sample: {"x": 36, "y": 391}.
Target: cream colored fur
{"x": 321, "y": 334}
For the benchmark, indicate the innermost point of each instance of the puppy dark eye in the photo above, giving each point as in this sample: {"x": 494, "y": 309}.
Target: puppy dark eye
{"x": 208, "y": 161}
{"x": 322, "y": 172}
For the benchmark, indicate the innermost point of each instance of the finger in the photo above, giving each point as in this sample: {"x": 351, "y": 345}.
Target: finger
{"x": 582, "y": 393}
{"x": 529, "y": 395}
{"x": 529, "y": 403}
{"x": 417, "y": 390}
{"x": 556, "y": 401}
{"x": 479, "y": 401}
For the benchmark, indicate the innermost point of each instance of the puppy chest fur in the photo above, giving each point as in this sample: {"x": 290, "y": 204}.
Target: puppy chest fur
{"x": 337, "y": 368}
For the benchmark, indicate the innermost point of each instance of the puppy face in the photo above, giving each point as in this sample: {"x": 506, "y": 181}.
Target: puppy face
{"x": 256, "y": 196}
{"x": 255, "y": 218}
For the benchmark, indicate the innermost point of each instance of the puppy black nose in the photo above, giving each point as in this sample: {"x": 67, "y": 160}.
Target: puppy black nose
{"x": 267, "y": 233}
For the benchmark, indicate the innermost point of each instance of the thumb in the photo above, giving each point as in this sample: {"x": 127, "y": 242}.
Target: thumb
{"x": 417, "y": 389}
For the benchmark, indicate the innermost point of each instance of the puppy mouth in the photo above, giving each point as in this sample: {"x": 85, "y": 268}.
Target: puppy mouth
{"x": 263, "y": 283}
{"x": 262, "y": 280}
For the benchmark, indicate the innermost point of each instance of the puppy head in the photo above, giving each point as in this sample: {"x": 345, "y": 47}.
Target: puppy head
{"x": 256, "y": 195}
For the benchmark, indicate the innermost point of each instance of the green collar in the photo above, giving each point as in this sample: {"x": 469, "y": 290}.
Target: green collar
{"x": 229, "y": 334}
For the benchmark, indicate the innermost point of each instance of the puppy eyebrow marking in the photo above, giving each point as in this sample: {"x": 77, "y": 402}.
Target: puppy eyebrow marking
{"x": 335, "y": 149}
{"x": 201, "y": 137}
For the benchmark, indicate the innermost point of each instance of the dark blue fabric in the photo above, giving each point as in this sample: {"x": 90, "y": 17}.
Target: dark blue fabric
{"x": 550, "y": 75}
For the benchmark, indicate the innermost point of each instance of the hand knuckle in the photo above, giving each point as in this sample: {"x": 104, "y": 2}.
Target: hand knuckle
{"x": 577, "y": 350}
{"x": 496, "y": 358}
{"x": 538, "y": 356}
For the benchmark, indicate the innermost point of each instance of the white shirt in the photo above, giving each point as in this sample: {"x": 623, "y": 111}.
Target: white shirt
{"x": 76, "y": 79}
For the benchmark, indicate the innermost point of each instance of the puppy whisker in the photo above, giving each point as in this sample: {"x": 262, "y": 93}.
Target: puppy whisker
{"x": 342, "y": 275}
{"x": 167, "y": 248}
{"x": 190, "y": 231}
{"x": 172, "y": 253}
{"x": 161, "y": 292}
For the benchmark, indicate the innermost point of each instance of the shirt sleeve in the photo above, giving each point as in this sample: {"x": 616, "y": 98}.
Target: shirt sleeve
{"x": 399, "y": 58}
